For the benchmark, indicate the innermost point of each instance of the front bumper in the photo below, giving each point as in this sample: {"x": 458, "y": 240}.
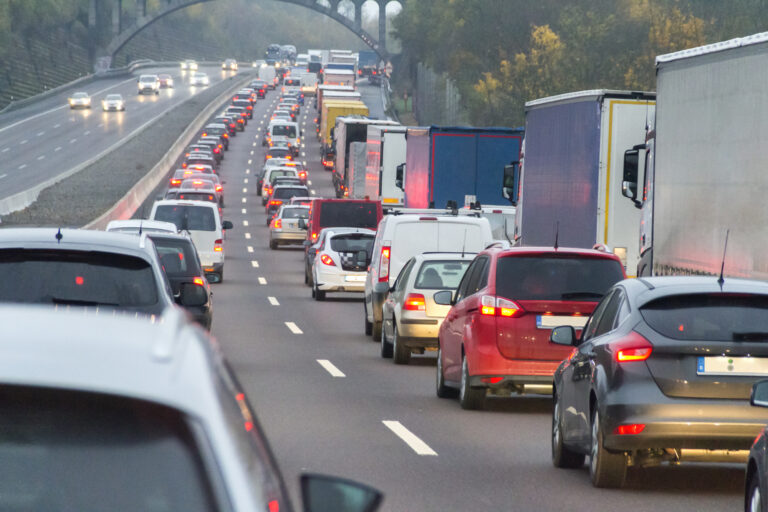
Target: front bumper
{"x": 333, "y": 279}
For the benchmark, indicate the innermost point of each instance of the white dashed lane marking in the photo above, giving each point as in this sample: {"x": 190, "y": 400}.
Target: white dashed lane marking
{"x": 331, "y": 368}
{"x": 273, "y": 301}
{"x": 262, "y": 280}
{"x": 254, "y": 264}
{"x": 416, "y": 444}
{"x": 293, "y": 328}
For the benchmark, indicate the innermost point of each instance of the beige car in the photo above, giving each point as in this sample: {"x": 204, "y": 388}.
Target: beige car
{"x": 284, "y": 228}
{"x": 411, "y": 318}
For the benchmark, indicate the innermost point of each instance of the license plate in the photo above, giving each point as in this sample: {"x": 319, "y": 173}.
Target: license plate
{"x": 739, "y": 366}
{"x": 355, "y": 279}
{"x": 552, "y": 321}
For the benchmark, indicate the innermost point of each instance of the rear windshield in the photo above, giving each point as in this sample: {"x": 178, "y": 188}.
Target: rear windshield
{"x": 295, "y": 213}
{"x": 178, "y": 257}
{"x": 281, "y": 174}
{"x": 709, "y": 317}
{"x": 71, "y": 450}
{"x": 292, "y": 82}
{"x": 187, "y": 217}
{"x": 242, "y": 103}
{"x": 197, "y": 196}
{"x": 556, "y": 278}
{"x": 284, "y": 130}
{"x": 440, "y": 275}
{"x": 352, "y": 242}
{"x": 348, "y": 214}
{"x": 86, "y": 278}
{"x": 279, "y": 151}
{"x": 287, "y": 193}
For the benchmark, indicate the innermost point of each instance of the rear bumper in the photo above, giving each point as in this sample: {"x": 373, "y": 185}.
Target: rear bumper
{"x": 336, "y": 280}
{"x": 418, "y": 332}
{"x": 288, "y": 237}
{"x": 486, "y": 360}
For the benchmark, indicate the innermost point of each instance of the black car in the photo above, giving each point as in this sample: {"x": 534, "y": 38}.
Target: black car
{"x": 208, "y": 149}
{"x": 199, "y": 158}
{"x": 214, "y": 146}
{"x": 178, "y": 258}
{"x": 282, "y": 194}
{"x": 661, "y": 373}
{"x": 279, "y": 152}
{"x": 230, "y": 122}
{"x": 241, "y": 116}
{"x": 261, "y": 87}
{"x": 217, "y": 130}
{"x": 246, "y": 105}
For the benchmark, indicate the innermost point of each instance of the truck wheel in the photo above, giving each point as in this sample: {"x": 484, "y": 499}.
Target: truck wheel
{"x": 368, "y": 325}
{"x": 607, "y": 469}
{"x": 401, "y": 353}
{"x": 562, "y": 456}
{"x": 469, "y": 398}
{"x": 442, "y": 390}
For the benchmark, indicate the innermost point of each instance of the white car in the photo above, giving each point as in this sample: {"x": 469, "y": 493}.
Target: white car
{"x": 113, "y": 102}
{"x": 149, "y": 84}
{"x": 135, "y": 226}
{"x": 189, "y": 64}
{"x": 199, "y": 78}
{"x": 229, "y": 65}
{"x": 341, "y": 262}
{"x": 80, "y": 100}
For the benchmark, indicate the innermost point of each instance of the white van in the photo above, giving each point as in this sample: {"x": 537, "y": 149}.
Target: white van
{"x": 268, "y": 74}
{"x": 202, "y": 221}
{"x": 400, "y": 237}
{"x": 284, "y": 131}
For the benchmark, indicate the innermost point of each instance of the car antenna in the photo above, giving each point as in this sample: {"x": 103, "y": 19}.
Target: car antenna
{"x": 721, "y": 280}
{"x": 557, "y": 234}
{"x": 59, "y": 236}
{"x": 464, "y": 243}
{"x": 141, "y": 224}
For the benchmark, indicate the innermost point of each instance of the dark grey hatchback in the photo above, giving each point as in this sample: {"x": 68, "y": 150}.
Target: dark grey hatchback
{"x": 662, "y": 373}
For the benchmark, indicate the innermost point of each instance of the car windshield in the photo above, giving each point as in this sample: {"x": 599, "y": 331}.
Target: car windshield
{"x": 281, "y": 174}
{"x": 295, "y": 213}
{"x": 289, "y": 192}
{"x": 709, "y": 317}
{"x": 440, "y": 275}
{"x": 79, "y": 95}
{"x": 353, "y": 242}
{"x": 187, "y": 217}
{"x": 114, "y": 97}
{"x": 350, "y": 214}
{"x": 561, "y": 278}
{"x": 86, "y": 278}
{"x": 178, "y": 257}
{"x": 74, "y": 450}
{"x": 284, "y": 130}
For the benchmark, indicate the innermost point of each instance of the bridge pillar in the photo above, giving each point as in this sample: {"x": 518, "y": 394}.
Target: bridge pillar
{"x": 91, "y": 14}
{"x": 382, "y": 25}
{"x": 359, "y": 14}
{"x": 141, "y": 8}
{"x": 117, "y": 17}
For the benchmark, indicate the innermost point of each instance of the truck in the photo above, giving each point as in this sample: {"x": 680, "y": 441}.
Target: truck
{"x": 703, "y": 164}
{"x": 272, "y": 55}
{"x": 309, "y": 84}
{"x": 339, "y": 77}
{"x": 332, "y": 110}
{"x": 386, "y": 148}
{"x": 358, "y": 154}
{"x": 367, "y": 63}
{"x": 349, "y": 129}
{"x": 269, "y": 75}
{"x": 463, "y": 165}
{"x": 322, "y": 89}
{"x": 571, "y": 178}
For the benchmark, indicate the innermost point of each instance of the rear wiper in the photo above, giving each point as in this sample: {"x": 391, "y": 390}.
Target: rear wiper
{"x": 75, "y": 302}
{"x": 571, "y": 295}
{"x": 750, "y": 336}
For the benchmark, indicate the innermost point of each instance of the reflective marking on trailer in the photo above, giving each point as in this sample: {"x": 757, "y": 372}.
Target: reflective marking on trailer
{"x": 244, "y": 211}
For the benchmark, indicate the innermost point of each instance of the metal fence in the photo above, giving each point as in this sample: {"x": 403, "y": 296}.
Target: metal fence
{"x": 437, "y": 99}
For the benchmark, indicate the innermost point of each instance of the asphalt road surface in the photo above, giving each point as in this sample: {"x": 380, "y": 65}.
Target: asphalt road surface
{"x": 329, "y": 403}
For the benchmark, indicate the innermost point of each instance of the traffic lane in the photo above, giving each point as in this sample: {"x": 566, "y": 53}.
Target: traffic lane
{"x": 371, "y": 96}
{"x": 70, "y": 137}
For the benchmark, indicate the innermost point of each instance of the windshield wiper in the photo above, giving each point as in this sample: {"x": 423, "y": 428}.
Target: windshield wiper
{"x": 573, "y": 295}
{"x": 750, "y": 336}
{"x": 76, "y": 302}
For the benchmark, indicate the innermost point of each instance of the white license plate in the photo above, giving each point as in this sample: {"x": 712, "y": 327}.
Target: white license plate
{"x": 355, "y": 279}
{"x": 739, "y": 366}
{"x": 552, "y": 321}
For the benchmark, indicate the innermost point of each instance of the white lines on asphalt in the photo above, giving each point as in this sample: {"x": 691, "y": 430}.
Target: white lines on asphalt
{"x": 23, "y": 142}
{"x": 245, "y": 223}
{"x": 6, "y": 150}
{"x": 250, "y": 162}
{"x": 40, "y": 134}
{"x": 416, "y": 444}
{"x": 72, "y": 141}
{"x": 312, "y": 191}
{"x": 247, "y": 236}
{"x": 303, "y": 153}
{"x": 330, "y": 368}
{"x": 245, "y": 180}
{"x": 309, "y": 182}
{"x": 294, "y": 328}
{"x": 41, "y": 157}
{"x": 244, "y": 200}
{"x": 254, "y": 264}
{"x": 87, "y": 132}
{"x": 58, "y": 148}
{"x": 244, "y": 211}
{"x": 262, "y": 280}
{"x": 22, "y": 166}
{"x": 254, "y": 144}
{"x": 3, "y": 176}
{"x": 57, "y": 125}
{"x": 250, "y": 248}
{"x": 247, "y": 171}
{"x": 273, "y": 301}
{"x": 245, "y": 189}
{"x": 251, "y": 152}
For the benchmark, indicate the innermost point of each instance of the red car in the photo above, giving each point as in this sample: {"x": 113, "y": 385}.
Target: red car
{"x": 496, "y": 335}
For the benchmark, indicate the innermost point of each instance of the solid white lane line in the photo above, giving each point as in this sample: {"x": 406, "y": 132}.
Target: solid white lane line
{"x": 416, "y": 444}
{"x": 245, "y": 223}
{"x": 262, "y": 280}
{"x": 294, "y": 328}
{"x": 331, "y": 368}
{"x": 22, "y": 166}
{"x": 101, "y": 125}
{"x": 273, "y": 301}
{"x": 250, "y": 248}
{"x": 247, "y": 236}
{"x": 254, "y": 264}
{"x": 244, "y": 211}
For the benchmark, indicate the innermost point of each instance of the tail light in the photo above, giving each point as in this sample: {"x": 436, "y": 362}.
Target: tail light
{"x": 634, "y": 347}
{"x": 278, "y": 224}
{"x": 327, "y": 260}
{"x": 183, "y": 165}
{"x": 415, "y": 302}
{"x": 226, "y": 135}
{"x": 275, "y": 202}
{"x": 633, "y": 429}
{"x": 217, "y": 245}
{"x": 386, "y": 253}
{"x": 216, "y": 150}
{"x": 314, "y": 236}
{"x": 496, "y": 306}
{"x": 218, "y": 188}
{"x": 175, "y": 182}
{"x": 199, "y": 281}
{"x": 303, "y": 175}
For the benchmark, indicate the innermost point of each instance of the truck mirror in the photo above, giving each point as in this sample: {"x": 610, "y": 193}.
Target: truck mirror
{"x": 510, "y": 189}
{"x": 399, "y": 174}
{"x": 630, "y": 177}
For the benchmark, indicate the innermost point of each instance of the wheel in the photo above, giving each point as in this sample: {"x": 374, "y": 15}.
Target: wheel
{"x": 258, "y": 191}
{"x": 401, "y": 353}
{"x": 469, "y": 398}
{"x": 318, "y": 294}
{"x": 263, "y": 201}
{"x": 272, "y": 245}
{"x": 443, "y": 391}
{"x": 386, "y": 346}
{"x": 606, "y": 469}
{"x": 268, "y": 220}
{"x": 306, "y": 277}
{"x": 368, "y": 325}
{"x": 754, "y": 496}
{"x": 376, "y": 330}
{"x": 562, "y": 457}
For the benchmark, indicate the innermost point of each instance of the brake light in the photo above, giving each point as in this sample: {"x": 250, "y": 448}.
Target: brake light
{"x": 415, "y": 302}
{"x": 487, "y": 305}
{"x": 199, "y": 281}
{"x": 327, "y": 260}
{"x": 314, "y": 236}
{"x": 175, "y": 182}
{"x": 183, "y": 165}
{"x": 386, "y": 253}
{"x": 633, "y": 429}
{"x": 496, "y": 306}
{"x": 274, "y": 506}
{"x": 303, "y": 175}
{"x": 226, "y": 135}
{"x": 218, "y": 188}
{"x": 278, "y": 223}
{"x": 506, "y": 307}
{"x": 217, "y": 245}
{"x": 216, "y": 150}
{"x": 197, "y": 182}
{"x": 632, "y": 348}
{"x": 275, "y": 202}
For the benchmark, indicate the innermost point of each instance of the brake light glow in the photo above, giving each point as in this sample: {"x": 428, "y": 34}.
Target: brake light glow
{"x": 218, "y": 188}
{"x": 303, "y": 175}
{"x": 632, "y": 348}
{"x": 386, "y": 252}
{"x": 491, "y": 380}
{"x": 175, "y": 182}
{"x": 199, "y": 281}
{"x": 327, "y": 260}
{"x": 496, "y": 306}
{"x": 274, "y": 506}
{"x": 415, "y": 302}
{"x": 278, "y": 223}
{"x": 633, "y": 429}
{"x": 506, "y": 307}
{"x": 314, "y": 236}
{"x": 79, "y": 280}
{"x": 275, "y": 202}
{"x": 217, "y": 245}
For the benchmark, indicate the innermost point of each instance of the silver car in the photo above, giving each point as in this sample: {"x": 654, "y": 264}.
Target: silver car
{"x": 284, "y": 228}
{"x": 114, "y": 412}
{"x": 411, "y": 318}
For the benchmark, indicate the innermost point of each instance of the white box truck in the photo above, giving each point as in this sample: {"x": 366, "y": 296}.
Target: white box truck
{"x": 357, "y": 158}
{"x": 384, "y": 173}
{"x": 703, "y": 169}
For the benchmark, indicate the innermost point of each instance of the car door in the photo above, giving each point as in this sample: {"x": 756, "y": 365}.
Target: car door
{"x": 395, "y": 298}
{"x": 453, "y": 326}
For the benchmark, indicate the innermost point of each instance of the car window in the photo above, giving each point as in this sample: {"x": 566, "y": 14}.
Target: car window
{"x": 295, "y": 213}
{"x": 482, "y": 280}
{"x": 178, "y": 257}
{"x": 440, "y": 275}
{"x": 608, "y": 316}
{"x": 284, "y": 130}
{"x": 469, "y": 280}
{"x": 402, "y": 279}
{"x": 624, "y": 311}
{"x": 287, "y": 193}
{"x": 592, "y": 324}
{"x": 352, "y": 242}
{"x": 187, "y": 217}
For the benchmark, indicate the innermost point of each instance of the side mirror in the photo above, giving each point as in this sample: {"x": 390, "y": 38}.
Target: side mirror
{"x": 227, "y": 225}
{"x": 399, "y": 175}
{"x": 510, "y": 188}
{"x": 303, "y": 225}
{"x": 192, "y": 295}
{"x": 443, "y": 298}
{"x": 320, "y": 493}
{"x": 759, "y": 396}
{"x": 629, "y": 183}
{"x": 563, "y": 335}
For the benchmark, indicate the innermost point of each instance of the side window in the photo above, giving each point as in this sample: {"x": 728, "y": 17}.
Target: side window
{"x": 477, "y": 274}
{"x": 591, "y": 328}
{"x": 461, "y": 292}
{"x": 482, "y": 282}
{"x": 623, "y": 311}
{"x": 404, "y": 275}
{"x": 608, "y": 317}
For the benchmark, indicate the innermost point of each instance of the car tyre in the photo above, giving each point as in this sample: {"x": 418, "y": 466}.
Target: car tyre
{"x": 562, "y": 456}
{"x": 386, "y": 346}
{"x": 317, "y": 293}
{"x": 606, "y": 469}
{"x": 754, "y": 502}
{"x": 272, "y": 245}
{"x": 469, "y": 398}
{"x": 442, "y": 390}
{"x": 401, "y": 353}
{"x": 368, "y": 325}
{"x": 376, "y": 330}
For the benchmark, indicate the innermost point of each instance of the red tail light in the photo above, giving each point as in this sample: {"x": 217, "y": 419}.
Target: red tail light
{"x": 496, "y": 306}
{"x": 274, "y": 506}
{"x": 633, "y": 429}
{"x": 278, "y": 223}
{"x": 226, "y": 135}
{"x": 199, "y": 281}
{"x": 314, "y": 236}
{"x": 327, "y": 260}
{"x": 386, "y": 253}
{"x": 183, "y": 165}
{"x": 415, "y": 302}
{"x": 303, "y": 175}
{"x": 175, "y": 182}
{"x": 634, "y": 347}
{"x": 218, "y": 188}
{"x": 217, "y": 245}
{"x": 275, "y": 202}
{"x": 216, "y": 150}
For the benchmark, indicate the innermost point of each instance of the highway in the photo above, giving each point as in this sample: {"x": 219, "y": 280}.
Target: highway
{"x": 329, "y": 403}
{"x": 42, "y": 140}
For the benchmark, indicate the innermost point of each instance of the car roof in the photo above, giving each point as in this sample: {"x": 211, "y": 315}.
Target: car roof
{"x": 185, "y": 202}
{"x": 647, "y": 289}
{"x": 345, "y": 231}
{"x": 72, "y": 239}
{"x": 448, "y": 256}
{"x": 142, "y": 223}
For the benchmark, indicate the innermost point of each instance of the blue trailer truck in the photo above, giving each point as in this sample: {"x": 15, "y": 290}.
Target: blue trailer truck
{"x": 571, "y": 173}
{"x": 460, "y": 164}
